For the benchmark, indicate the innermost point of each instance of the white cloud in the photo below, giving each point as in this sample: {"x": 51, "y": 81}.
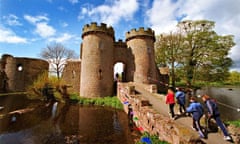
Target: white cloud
{"x": 62, "y": 38}
{"x": 61, "y": 8}
{"x": 36, "y": 19}
{"x": 111, "y": 13}
{"x": 42, "y": 28}
{"x": 12, "y": 20}
{"x": 64, "y": 24}
{"x": 73, "y": 1}
{"x": 161, "y": 17}
{"x": 225, "y": 13}
{"x": 8, "y": 36}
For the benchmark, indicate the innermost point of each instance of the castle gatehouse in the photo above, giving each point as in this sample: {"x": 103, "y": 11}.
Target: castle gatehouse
{"x": 93, "y": 74}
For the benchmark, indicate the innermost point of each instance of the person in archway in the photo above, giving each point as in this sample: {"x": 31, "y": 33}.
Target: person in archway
{"x": 197, "y": 111}
{"x": 214, "y": 113}
{"x": 116, "y": 80}
{"x": 170, "y": 100}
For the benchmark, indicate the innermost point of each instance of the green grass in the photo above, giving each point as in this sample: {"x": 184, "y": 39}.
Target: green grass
{"x": 101, "y": 101}
{"x": 235, "y": 123}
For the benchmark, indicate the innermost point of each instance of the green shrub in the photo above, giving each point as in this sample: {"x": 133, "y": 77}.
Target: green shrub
{"x": 35, "y": 90}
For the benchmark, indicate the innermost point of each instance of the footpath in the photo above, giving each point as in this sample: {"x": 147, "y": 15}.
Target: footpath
{"x": 158, "y": 103}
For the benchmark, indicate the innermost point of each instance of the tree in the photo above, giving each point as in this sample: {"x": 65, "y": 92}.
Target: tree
{"x": 168, "y": 50}
{"x": 206, "y": 51}
{"x": 196, "y": 51}
{"x": 57, "y": 55}
{"x": 234, "y": 77}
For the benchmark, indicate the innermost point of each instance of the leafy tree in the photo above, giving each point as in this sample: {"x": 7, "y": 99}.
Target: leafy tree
{"x": 206, "y": 51}
{"x": 57, "y": 55}
{"x": 168, "y": 50}
{"x": 196, "y": 51}
{"x": 234, "y": 77}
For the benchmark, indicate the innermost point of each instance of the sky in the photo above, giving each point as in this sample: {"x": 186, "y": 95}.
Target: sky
{"x": 28, "y": 26}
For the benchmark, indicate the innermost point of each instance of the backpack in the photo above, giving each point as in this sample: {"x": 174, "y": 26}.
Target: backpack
{"x": 214, "y": 106}
{"x": 200, "y": 109}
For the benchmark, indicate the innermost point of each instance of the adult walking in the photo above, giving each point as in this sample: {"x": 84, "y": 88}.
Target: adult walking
{"x": 197, "y": 111}
{"x": 214, "y": 113}
{"x": 170, "y": 100}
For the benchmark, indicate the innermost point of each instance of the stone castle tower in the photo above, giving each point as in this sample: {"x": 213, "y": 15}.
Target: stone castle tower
{"x": 100, "y": 52}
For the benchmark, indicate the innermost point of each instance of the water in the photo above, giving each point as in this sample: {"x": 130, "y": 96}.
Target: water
{"x": 228, "y": 99}
{"x": 62, "y": 123}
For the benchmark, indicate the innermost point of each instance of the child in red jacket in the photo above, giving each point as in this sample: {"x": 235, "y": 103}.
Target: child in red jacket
{"x": 170, "y": 100}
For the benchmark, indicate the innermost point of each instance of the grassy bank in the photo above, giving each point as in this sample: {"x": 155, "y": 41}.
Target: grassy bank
{"x": 235, "y": 123}
{"x": 110, "y": 101}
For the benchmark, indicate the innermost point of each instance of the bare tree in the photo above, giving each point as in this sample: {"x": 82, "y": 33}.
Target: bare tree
{"x": 57, "y": 55}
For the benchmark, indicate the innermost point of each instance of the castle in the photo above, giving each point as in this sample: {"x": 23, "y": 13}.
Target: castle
{"x": 93, "y": 74}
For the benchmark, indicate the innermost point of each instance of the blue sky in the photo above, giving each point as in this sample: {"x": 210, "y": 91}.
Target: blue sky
{"x": 27, "y": 26}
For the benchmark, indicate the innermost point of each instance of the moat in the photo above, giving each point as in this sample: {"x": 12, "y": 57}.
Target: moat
{"x": 62, "y": 123}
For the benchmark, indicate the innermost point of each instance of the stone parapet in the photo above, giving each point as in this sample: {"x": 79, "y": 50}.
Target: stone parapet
{"x": 141, "y": 32}
{"x": 120, "y": 44}
{"x": 94, "y": 28}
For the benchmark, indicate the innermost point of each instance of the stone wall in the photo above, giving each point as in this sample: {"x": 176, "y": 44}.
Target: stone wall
{"x": 149, "y": 120}
{"x": 71, "y": 75}
{"x": 235, "y": 133}
{"x": 17, "y": 73}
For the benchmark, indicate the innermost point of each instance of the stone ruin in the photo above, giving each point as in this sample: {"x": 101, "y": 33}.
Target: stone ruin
{"x": 17, "y": 73}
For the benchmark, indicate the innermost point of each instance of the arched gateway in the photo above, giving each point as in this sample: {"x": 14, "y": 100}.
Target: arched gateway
{"x": 99, "y": 53}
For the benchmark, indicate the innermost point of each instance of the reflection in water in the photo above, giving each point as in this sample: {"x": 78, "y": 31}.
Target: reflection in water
{"x": 64, "y": 123}
{"x": 54, "y": 109}
{"x": 228, "y": 101}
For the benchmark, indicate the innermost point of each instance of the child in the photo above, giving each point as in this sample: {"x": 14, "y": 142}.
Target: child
{"x": 196, "y": 109}
{"x": 180, "y": 96}
{"x": 170, "y": 100}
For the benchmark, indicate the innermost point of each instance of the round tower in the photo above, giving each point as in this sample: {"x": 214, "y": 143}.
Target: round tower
{"x": 141, "y": 43}
{"x": 97, "y": 61}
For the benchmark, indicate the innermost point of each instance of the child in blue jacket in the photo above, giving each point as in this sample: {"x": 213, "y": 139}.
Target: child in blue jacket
{"x": 197, "y": 111}
{"x": 180, "y": 96}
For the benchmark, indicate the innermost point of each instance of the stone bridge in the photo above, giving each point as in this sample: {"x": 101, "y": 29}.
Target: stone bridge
{"x": 150, "y": 114}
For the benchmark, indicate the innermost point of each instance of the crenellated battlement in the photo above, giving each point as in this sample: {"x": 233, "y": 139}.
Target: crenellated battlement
{"x": 141, "y": 32}
{"x": 93, "y": 28}
{"x": 120, "y": 43}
